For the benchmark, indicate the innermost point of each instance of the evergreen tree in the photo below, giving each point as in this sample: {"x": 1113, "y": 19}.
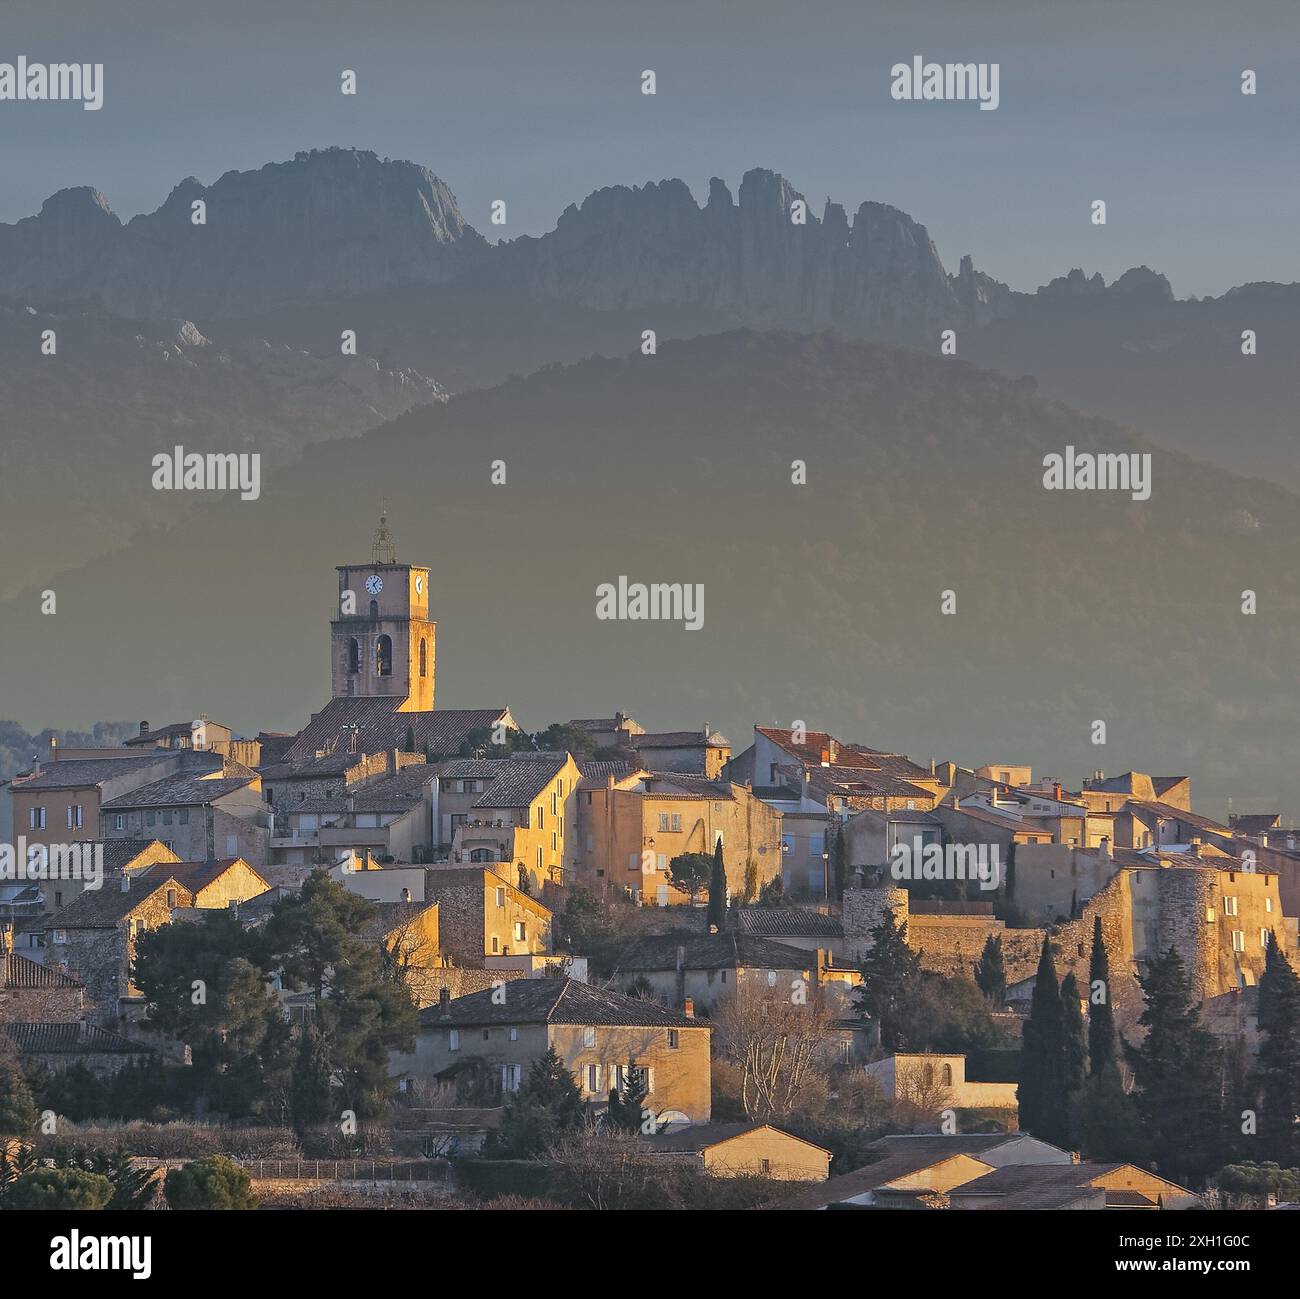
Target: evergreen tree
{"x": 839, "y": 862}
{"x": 309, "y": 1092}
{"x": 546, "y": 1105}
{"x": 717, "y": 913}
{"x": 1075, "y": 1040}
{"x": 627, "y": 1110}
{"x": 1178, "y": 1075}
{"x": 889, "y": 970}
{"x": 1103, "y": 1044}
{"x": 1042, "y": 1093}
{"x": 991, "y": 972}
{"x": 18, "y": 1115}
{"x": 1279, "y": 1057}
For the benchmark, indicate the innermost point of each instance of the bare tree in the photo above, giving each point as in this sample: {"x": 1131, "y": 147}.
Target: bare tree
{"x": 782, "y": 1049}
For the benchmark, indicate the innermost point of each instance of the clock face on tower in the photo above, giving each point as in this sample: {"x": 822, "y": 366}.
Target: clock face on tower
{"x": 419, "y": 584}
{"x": 374, "y": 584}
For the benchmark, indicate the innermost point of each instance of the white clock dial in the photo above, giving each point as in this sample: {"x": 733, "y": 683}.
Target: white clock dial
{"x": 419, "y": 584}
{"x": 374, "y": 584}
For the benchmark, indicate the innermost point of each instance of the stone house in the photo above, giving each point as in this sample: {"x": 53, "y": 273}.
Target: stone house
{"x": 710, "y": 967}
{"x": 59, "y": 1046}
{"x": 408, "y": 933}
{"x": 630, "y": 830}
{"x": 1071, "y": 1186}
{"x": 212, "y": 884}
{"x": 744, "y": 1150}
{"x": 200, "y": 817}
{"x": 938, "y": 1080}
{"x": 482, "y": 915}
{"x": 33, "y": 993}
{"x": 488, "y": 1040}
{"x": 703, "y": 752}
{"x": 523, "y": 821}
{"x": 94, "y": 939}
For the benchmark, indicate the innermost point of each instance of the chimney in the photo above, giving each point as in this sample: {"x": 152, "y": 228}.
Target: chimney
{"x": 706, "y": 730}
{"x": 126, "y": 881}
{"x": 932, "y": 766}
{"x": 444, "y": 1003}
{"x": 1103, "y": 848}
{"x": 1056, "y": 790}
{"x": 54, "y": 749}
{"x": 1196, "y": 848}
{"x": 688, "y": 1007}
{"x": 609, "y": 781}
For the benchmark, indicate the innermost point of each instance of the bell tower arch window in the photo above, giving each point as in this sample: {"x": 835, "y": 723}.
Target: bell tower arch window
{"x": 354, "y": 657}
{"x": 424, "y": 658}
{"x": 384, "y": 656}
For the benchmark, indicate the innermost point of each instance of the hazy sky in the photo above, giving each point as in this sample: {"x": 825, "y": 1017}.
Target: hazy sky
{"x": 538, "y": 103}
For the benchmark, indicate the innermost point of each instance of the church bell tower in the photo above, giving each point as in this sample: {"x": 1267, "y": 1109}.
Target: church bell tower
{"x": 381, "y": 639}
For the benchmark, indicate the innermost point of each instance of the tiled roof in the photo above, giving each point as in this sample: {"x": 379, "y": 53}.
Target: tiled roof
{"x": 1031, "y": 1186}
{"x": 892, "y": 1163}
{"x": 106, "y": 907}
{"x": 1172, "y": 813}
{"x": 193, "y": 876}
{"x": 155, "y": 733}
{"x": 1255, "y": 823}
{"x": 555, "y": 1001}
{"x": 680, "y": 740}
{"x": 120, "y": 853}
{"x": 728, "y": 951}
{"x": 19, "y": 972}
{"x": 691, "y": 784}
{"x": 78, "y": 773}
{"x": 787, "y": 922}
{"x": 179, "y": 790}
{"x": 44, "y": 1038}
{"x": 380, "y": 726}
{"x": 702, "y": 1136}
{"x": 518, "y": 783}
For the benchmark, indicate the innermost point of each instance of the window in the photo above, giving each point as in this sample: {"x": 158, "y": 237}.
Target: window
{"x": 539, "y": 856}
{"x": 74, "y": 816}
{"x": 927, "y": 1074}
{"x": 453, "y": 1039}
{"x": 947, "y": 1075}
{"x": 183, "y": 816}
{"x": 58, "y": 899}
{"x": 672, "y": 1039}
{"x": 119, "y": 822}
{"x": 541, "y": 818}
{"x": 1268, "y": 904}
{"x": 514, "y": 1035}
{"x": 765, "y": 1167}
{"x": 553, "y": 841}
{"x": 677, "y": 821}
{"x": 139, "y": 927}
{"x": 36, "y": 818}
{"x": 60, "y": 937}
{"x": 663, "y": 822}
{"x": 496, "y": 944}
{"x": 171, "y": 897}
{"x": 167, "y": 817}
{"x": 591, "y": 1079}
{"x": 588, "y": 1037}
{"x": 633, "y": 862}
{"x": 1229, "y": 906}
{"x": 151, "y": 818}
{"x": 511, "y": 1076}
{"x": 662, "y": 862}
{"x": 521, "y": 932}
{"x": 424, "y": 658}
{"x": 1263, "y": 938}
{"x": 487, "y": 1034}
{"x": 354, "y": 657}
{"x": 501, "y": 896}
{"x": 552, "y": 802}
{"x": 1238, "y": 940}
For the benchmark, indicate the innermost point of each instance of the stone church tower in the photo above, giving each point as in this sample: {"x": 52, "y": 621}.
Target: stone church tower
{"x": 381, "y": 641}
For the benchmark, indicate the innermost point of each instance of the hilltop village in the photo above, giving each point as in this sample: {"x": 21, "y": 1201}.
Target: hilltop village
{"x": 424, "y": 953}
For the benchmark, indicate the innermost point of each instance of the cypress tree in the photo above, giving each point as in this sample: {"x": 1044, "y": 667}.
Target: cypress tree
{"x": 631, "y": 1105}
{"x": 991, "y": 971}
{"x": 1179, "y": 1075}
{"x": 1279, "y": 1057}
{"x": 1041, "y": 1093}
{"x": 18, "y": 1115}
{"x": 1076, "y": 1045}
{"x": 889, "y": 971}
{"x": 1103, "y": 1045}
{"x": 717, "y": 913}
